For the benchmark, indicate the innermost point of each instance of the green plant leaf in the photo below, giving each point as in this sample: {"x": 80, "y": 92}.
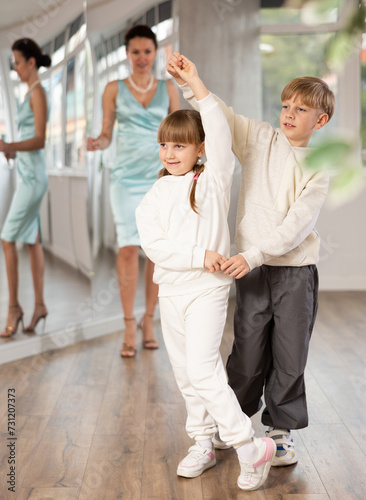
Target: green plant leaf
{"x": 330, "y": 154}
{"x": 339, "y": 48}
{"x": 346, "y": 184}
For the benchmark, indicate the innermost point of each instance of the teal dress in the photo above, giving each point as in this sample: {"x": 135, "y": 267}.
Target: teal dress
{"x": 23, "y": 221}
{"x": 137, "y": 160}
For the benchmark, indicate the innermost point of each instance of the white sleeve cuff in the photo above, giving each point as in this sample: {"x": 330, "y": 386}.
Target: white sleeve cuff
{"x": 254, "y": 257}
{"x": 187, "y": 92}
{"x": 198, "y": 260}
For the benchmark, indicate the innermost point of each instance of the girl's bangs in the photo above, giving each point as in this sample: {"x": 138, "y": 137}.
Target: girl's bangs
{"x": 178, "y": 127}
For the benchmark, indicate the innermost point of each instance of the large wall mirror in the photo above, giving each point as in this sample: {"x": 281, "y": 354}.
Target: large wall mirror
{"x": 85, "y": 41}
{"x": 60, "y": 29}
{"x": 106, "y": 38}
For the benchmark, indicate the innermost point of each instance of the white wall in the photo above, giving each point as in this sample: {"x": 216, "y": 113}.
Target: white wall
{"x": 342, "y": 264}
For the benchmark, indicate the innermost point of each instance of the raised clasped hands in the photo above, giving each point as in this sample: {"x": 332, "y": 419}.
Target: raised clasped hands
{"x": 182, "y": 69}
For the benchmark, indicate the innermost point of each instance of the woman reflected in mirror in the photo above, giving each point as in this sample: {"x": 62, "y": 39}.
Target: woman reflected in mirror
{"x": 22, "y": 223}
{"x": 139, "y": 103}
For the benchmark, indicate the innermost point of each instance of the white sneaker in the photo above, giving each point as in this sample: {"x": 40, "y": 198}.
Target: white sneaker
{"x": 219, "y": 443}
{"x": 285, "y": 454}
{"x": 253, "y": 474}
{"x": 197, "y": 461}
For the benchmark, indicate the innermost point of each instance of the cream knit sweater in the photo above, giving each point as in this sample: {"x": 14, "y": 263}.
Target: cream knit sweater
{"x": 279, "y": 199}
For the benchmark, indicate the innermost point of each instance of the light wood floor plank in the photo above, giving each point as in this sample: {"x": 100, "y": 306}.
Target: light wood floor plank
{"x": 48, "y": 494}
{"x": 297, "y": 497}
{"x": 113, "y": 471}
{"x": 339, "y": 460}
{"x": 91, "y": 426}
{"x": 301, "y": 478}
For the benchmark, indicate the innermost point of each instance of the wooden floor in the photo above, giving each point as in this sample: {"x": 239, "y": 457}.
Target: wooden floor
{"x": 92, "y": 426}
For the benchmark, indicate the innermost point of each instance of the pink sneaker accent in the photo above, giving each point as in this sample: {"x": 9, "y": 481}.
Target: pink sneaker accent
{"x": 253, "y": 474}
{"x": 197, "y": 461}
{"x": 268, "y": 454}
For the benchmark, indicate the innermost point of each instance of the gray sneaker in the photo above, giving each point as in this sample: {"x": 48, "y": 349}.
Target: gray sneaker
{"x": 285, "y": 454}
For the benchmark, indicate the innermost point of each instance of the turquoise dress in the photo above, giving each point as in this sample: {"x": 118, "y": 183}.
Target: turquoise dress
{"x": 23, "y": 221}
{"x": 137, "y": 160}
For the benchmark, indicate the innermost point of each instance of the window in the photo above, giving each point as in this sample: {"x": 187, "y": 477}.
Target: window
{"x": 59, "y": 49}
{"x": 279, "y": 66}
{"x": 80, "y": 108}
{"x": 70, "y": 112}
{"x": 363, "y": 96}
{"x": 111, "y": 58}
{"x": 54, "y": 145}
{"x": 112, "y": 51}
{"x": 294, "y": 44}
{"x": 77, "y": 33}
{"x": 274, "y": 13}
{"x": 4, "y": 128}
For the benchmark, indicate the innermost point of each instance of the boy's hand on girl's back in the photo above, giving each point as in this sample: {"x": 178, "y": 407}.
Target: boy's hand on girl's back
{"x": 236, "y": 267}
{"x": 213, "y": 261}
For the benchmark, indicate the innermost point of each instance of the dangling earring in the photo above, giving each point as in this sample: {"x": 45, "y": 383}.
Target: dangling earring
{"x": 199, "y": 160}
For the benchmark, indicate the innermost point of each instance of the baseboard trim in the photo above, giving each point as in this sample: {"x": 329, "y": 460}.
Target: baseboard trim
{"x": 13, "y": 349}
{"x": 344, "y": 284}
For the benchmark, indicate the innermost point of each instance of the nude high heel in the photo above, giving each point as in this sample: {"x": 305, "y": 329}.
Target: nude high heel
{"x": 12, "y": 330}
{"x": 128, "y": 350}
{"x": 150, "y": 343}
{"x": 36, "y": 319}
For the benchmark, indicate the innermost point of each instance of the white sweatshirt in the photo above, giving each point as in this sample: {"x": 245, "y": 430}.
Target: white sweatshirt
{"x": 172, "y": 235}
{"x": 279, "y": 200}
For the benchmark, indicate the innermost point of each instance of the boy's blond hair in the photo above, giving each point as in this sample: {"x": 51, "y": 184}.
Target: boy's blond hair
{"x": 314, "y": 92}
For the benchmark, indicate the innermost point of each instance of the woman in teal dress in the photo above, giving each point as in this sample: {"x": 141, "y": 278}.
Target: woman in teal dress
{"x": 23, "y": 221}
{"x": 139, "y": 103}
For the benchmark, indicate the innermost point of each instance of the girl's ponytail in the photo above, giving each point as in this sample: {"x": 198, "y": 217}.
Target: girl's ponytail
{"x": 197, "y": 169}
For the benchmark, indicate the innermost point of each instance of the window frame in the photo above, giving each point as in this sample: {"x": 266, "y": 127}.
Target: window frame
{"x": 349, "y": 78}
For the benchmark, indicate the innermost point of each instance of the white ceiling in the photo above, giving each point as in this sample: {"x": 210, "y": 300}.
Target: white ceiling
{"x": 40, "y": 19}
{"x": 18, "y": 12}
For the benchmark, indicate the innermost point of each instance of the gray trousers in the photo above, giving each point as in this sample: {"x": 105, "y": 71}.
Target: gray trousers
{"x": 274, "y": 318}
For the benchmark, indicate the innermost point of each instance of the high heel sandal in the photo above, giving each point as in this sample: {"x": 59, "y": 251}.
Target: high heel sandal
{"x": 31, "y": 328}
{"x": 151, "y": 343}
{"x": 128, "y": 350}
{"x": 12, "y": 330}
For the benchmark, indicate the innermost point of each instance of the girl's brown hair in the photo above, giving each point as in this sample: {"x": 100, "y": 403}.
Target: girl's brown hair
{"x": 183, "y": 127}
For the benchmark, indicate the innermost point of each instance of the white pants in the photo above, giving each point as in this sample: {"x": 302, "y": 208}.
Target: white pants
{"x": 193, "y": 326}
